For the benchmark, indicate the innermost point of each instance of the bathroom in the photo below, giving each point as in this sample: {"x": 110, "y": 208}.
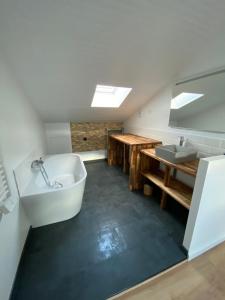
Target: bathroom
{"x": 54, "y": 57}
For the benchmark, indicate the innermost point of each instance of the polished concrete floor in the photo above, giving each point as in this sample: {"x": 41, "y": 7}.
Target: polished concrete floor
{"x": 119, "y": 239}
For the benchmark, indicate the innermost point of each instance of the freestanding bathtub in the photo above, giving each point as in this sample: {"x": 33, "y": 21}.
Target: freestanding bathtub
{"x": 45, "y": 205}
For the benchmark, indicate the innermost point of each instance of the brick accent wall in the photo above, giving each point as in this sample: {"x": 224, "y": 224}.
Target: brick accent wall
{"x": 91, "y": 136}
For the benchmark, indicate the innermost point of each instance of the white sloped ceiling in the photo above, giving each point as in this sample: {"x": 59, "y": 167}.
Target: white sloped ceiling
{"x": 60, "y": 49}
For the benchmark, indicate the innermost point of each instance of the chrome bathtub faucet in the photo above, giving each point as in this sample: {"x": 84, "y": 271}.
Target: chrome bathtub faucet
{"x": 38, "y": 163}
{"x": 181, "y": 143}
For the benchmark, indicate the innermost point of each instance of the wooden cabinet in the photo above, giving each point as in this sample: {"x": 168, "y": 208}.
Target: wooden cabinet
{"x": 160, "y": 172}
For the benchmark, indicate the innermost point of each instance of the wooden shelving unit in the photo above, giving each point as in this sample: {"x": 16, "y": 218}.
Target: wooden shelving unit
{"x": 150, "y": 169}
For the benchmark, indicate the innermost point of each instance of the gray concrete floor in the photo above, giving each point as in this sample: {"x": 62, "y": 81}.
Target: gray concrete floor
{"x": 119, "y": 239}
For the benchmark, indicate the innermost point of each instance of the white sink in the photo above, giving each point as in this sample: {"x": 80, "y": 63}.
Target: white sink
{"x": 176, "y": 154}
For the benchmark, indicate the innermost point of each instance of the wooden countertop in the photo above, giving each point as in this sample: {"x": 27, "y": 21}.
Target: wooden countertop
{"x": 131, "y": 139}
{"x": 189, "y": 168}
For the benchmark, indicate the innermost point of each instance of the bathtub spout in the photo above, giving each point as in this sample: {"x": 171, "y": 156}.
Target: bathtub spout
{"x": 57, "y": 185}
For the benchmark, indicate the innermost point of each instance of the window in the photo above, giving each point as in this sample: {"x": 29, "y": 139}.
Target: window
{"x": 109, "y": 96}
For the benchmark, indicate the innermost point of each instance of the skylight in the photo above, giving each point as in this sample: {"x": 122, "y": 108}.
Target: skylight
{"x": 109, "y": 96}
{"x": 184, "y": 99}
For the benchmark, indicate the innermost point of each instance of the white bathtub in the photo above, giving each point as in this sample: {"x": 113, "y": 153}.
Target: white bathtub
{"x": 45, "y": 205}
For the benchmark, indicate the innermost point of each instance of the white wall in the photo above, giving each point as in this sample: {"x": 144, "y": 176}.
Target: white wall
{"x": 58, "y": 138}
{"x": 205, "y": 226}
{"x": 21, "y": 132}
{"x": 153, "y": 119}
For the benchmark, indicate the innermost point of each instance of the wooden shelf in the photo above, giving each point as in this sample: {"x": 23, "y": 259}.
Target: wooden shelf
{"x": 176, "y": 189}
{"x": 156, "y": 178}
{"x": 189, "y": 168}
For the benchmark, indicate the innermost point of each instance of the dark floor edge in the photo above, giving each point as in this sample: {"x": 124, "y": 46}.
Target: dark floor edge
{"x": 18, "y": 267}
{"x": 184, "y": 250}
{"x": 94, "y": 160}
{"x": 141, "y": 284}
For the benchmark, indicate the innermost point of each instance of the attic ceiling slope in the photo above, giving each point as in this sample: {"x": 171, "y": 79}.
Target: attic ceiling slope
{"x": 60, "y": 50}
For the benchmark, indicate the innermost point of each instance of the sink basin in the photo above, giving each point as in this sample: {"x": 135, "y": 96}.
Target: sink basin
{"x": 176, "y": 154}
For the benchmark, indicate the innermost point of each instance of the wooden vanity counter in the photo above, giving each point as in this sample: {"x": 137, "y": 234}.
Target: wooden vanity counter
{"x": 124, "y": 150}
{"x": 150, "y": 169}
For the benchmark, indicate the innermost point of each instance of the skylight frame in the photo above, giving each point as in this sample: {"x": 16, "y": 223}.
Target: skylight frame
{"x": 105, "y": 89}
{"x": 108, "y": 96}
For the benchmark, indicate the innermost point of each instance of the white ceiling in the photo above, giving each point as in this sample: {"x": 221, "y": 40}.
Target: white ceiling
{"x": 59, "y": 50}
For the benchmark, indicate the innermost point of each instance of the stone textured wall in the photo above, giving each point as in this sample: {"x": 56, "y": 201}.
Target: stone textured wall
{"x": 90, "y": 136}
